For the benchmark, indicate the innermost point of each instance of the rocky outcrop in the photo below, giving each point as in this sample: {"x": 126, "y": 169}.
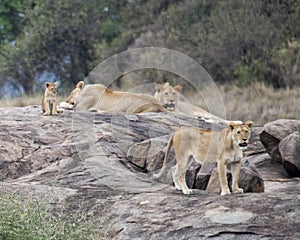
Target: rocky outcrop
{"x": 103, "y": 164}
{"x": 281, "y": 139}
{"x": 289, "y": 149}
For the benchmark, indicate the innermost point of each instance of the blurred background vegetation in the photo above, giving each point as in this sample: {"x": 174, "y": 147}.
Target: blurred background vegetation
{"x": 239, "y": 42}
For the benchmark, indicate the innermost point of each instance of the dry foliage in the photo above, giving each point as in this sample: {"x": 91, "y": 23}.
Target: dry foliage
{"x": 261, "y": 104}
{"x": 23, "y": 101}
{"x": 257, "y": 102}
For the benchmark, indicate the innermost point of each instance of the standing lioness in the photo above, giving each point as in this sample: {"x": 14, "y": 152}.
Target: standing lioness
{"x": 224, "y": 147}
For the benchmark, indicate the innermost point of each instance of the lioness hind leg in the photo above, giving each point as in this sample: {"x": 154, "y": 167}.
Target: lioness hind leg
{"x": 235, "y": 171}
{"x": 175, "y": 178}
{"x": 180, "y": 180}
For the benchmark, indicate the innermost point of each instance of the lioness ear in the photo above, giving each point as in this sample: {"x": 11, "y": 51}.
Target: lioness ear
{"x": 158, "y": 87}
{"x": 109, "y": 91}
{"x": 249, "y": 124}
{"x": 231, "y": 125}
{"x": 177, "y": 88}
{"x": 47, "y": 84}
{"x": 80, "y": 85}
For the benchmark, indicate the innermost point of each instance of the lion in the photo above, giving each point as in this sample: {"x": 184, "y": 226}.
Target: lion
{"x": 70, "y": 102}
{"x": 206, "y": 146}
{"x": 99, "y": 98}
{"x": 169, "y": 96}
{"x": 49, "y": 102}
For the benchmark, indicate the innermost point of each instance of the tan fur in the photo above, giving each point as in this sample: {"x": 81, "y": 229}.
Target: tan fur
{"x": 75, "y": 92}
{"x": 70, "y": 102}
{"x": 224, "y": 147}
{"x": 169, "y": 96}
{"x": 49, "y": 103}
{"x": 97, "y": 97}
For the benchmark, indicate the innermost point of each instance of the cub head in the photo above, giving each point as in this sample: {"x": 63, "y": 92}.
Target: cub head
{"x": 241, "y": 133}
{"x": 51, "y": 88}
{"x": 167, "y": 95}
{"x": 75, "y": 92}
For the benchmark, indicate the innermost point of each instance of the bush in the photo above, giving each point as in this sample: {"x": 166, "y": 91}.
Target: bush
{"x": 29, "y": 219}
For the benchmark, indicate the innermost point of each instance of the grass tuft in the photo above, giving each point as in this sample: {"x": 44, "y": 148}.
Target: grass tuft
{"x": 29, "y": 219}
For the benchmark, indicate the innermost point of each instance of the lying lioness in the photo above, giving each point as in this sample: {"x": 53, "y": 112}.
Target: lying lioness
{"x": 70, "y": 102}
{"x": 224, "y": 147}
{"x": 169, "y": 96}
{"x": 97, "y": 97}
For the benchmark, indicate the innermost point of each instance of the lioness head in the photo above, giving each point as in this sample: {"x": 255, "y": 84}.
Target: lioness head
{"x": 167, "y": 95}
{"x": 75, "y": 92}
{"x": 51, "y": 88}
{"x": 241, "y": 133}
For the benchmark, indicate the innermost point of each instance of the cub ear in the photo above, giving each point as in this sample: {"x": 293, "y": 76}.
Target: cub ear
{"x": 47, "y": 84}
{"x": 55, "y": 84}
{"x": 231, "y": 125}
{"x": 249, "y": 124}
{"x": 177, "y": 88}
{"x": 80, "y": 85}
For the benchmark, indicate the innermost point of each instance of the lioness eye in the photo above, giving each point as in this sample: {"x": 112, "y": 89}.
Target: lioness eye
{"x": 238, "y": 132}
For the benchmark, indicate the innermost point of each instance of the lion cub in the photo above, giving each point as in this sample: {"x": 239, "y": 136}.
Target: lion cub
{"x": 49, "y": 100}
{"x": 225, "y": 147}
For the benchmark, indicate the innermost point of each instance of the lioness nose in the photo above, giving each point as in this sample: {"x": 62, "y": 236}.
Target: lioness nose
{"x": 244, "y": 139}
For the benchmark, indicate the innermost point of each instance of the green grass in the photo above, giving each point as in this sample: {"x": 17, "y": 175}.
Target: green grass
{"x": 29, "y": 219}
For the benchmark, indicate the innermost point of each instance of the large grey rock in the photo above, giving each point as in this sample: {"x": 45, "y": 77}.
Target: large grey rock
{"x": 289, "y": 149}
{"x": 80, "y": 159}
{"x": 149, "y": 154}
{"x": 250, "y": 180}
{"x": 266, "y": 166}
{"x": 274, "y": 132}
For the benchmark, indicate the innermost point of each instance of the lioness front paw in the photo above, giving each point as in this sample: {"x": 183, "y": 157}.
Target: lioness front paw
{"x": 46, "y": 114}
{"x": 238, "y": 191}
{"x": 224, "y": 193}
{"x": 187, "y": 191}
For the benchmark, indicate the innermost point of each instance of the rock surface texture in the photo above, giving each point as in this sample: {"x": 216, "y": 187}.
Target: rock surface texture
{"x": 282, "y": 141}
{"x": 103, "y": 165}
